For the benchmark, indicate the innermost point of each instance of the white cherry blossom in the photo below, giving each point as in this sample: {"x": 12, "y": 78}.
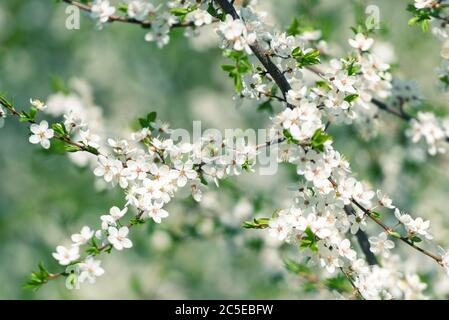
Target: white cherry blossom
{"x": 41, "y": 134}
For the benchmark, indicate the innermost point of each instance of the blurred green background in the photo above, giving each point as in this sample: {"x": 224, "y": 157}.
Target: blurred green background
{"x": 198, "y": 252}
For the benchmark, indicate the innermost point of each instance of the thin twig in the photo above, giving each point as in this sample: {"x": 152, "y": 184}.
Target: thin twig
{"x": 65, "y": 138}
{"x": 115, "y": 18}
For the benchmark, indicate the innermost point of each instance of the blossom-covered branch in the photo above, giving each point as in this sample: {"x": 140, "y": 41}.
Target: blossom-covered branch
{"x": 41, "y": 132}
{"x": 329, "y": 207}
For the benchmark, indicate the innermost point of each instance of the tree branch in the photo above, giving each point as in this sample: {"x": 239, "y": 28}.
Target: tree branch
{"x": 272, "y": 69}
{"x": 145, "y": 23}
{"x": 65, "y": 138}
{"x": 362, "y": 239}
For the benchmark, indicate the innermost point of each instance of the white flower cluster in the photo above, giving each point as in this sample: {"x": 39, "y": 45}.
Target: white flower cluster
{"x": 421, "y": 4}
{"x": 88, "y": 269}
{"x": 140, "y": 10}
{"x": 235, "y": 34}
{"x": 434, "y": 131}
{"x": 387, "y": 283}
{"x": 151, "y": 169}
{"x": 82, "y": 118}
{"x": 350, "y": 84}
{"x": 102, "y": 10}
{"x": 319, "y": 222}
{"x": 161, "y": 21}
{"x": 414, "y": 226}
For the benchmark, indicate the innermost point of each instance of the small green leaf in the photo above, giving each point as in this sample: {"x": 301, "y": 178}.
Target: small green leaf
{"x": 395, "y": 234}
{"x": 149, "y": 118}
{"x": 228, "y": 67}
{"x": 266, "y": 106}
{"x": 309, "y": 240}
{"x": 71, "y": 148}
{"x": 257, "y": 223}
{"x": 351, "y": 98}
{"x": 339, "y": 283}
{"x": 289, "y": 137}
{"x": 425, "y": 25}
{"x": 37, "y": 278}
{"x": 33, "y": 112}
{"x": 295, "y": 267}
{"x": 179, "y": 11}
{"x": 59, "y": 128}
{"x": 323, "y": 84}
{"x": 123, "y": 7}
{"x": 413, "y": 21}
{"x": 319, "y": 138}
{"x": 375, "y": 214}
{"x": 136, "y": 221}
{"x": 306, "y": 58}
{"x": 108, "y": 248}
{"x": 293, "y": 29}
{"x": 214, "y": 13}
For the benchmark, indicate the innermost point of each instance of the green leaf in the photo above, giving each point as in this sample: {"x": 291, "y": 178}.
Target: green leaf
{"x": 91, "y": 149}
{"x": 257, "y": 223}
{"x": 375, "y": 214}
{"x": 228, "y": 68}
{"x": 309, "y": 240}
{"x": 71, "y": 148}
{"x": 123, "y": 7}
{"x": 293, "y": 29}
{"x": 445, "y": 80}
{"x": 150, "y": 118}
{"x": 37, "y": 278}
{"x": 33, "y": 111}
{"x": 339, "y": 283}
{"x": 236, "y": 71}
{"x": 295, "y": 267}
{"x": 43, "y": 270}
{"x": 276, "y": 213}
{"x": 266, "y": 106}
{"x": 425, "y": 25}
{"x": 203, "y": 180}
{"x": 395, "y": 234}
{"x": 108, "y": 248}
{"x": 289, "y": 137}
{"x": 26, "y": 117}
{"x": 323, "y": 84}
{"x": 351, "y": 98}
{"x": 237, "y": 82}
{"x": 306, "y": 58}
{"x": 179, "y": 11}
{"x": 413, "y": 21}
{"x": 59, "y": 128}
{"x": 319, "y": 138}
{"x": 214, "y": 12}
{"x": 233, "y": 54}
{"x": 246, "y": 165}
{"x": 353, "y": 67}
{"x": 93, "y": 251}
{"x": 415, "y": 239}
{"x": 136, "y": 221}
